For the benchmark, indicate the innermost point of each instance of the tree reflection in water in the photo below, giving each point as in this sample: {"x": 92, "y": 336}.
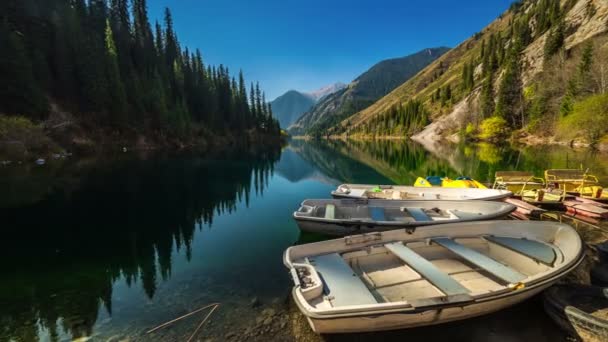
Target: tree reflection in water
{"x": 89, "y": 225}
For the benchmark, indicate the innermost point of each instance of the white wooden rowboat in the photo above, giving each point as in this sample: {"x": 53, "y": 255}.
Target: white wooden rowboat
{"x": 400, "y": 192}
{"x": 399, "y": 279}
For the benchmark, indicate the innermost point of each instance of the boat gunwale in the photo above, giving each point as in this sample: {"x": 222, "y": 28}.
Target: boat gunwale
{"x": 506, "y": 209}
{"x": 408, "y": 308}
{"x": 501, "y": 193}
{"x": 537, "y": 280}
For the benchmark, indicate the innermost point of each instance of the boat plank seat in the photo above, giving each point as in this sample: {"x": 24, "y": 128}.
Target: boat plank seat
{"x": 341, "y": 285}
{"x": 425, "y": 268}
{"x": 330, "y": 211}
{"x": 357, "y": 192}
{"x": 464, "y": 215}
{"x": 489, "y": 265}
{"x": 516, "y": 177}
{"x": 533, "y": 249}
{"x": 377, "y": 213}
{"x": 418, "y": 214}
{"x": 515, "y": 174}
{"x": 566, "y": 175}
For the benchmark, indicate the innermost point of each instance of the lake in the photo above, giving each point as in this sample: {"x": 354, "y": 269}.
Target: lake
{"x": 106, "y": 248}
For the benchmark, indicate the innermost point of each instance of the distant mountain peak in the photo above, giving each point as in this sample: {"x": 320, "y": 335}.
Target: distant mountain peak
{"x": 367, "y": 88}
{"x": 326, "y": 90}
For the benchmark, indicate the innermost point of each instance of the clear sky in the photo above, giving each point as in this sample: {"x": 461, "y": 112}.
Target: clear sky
{"x": 304, "y": 45}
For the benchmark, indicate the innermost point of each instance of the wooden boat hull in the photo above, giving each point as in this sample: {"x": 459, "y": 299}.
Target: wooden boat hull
{"x": 381, "y": 281}
{"x": 457, "y": 211}
{"x": 404, "y": 320}
{"x": 585, "y": 209}
{"x": 525, "y": 208}
{"x": 402, "y": 192}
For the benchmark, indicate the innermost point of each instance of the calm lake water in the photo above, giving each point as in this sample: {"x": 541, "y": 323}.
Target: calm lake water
{"x": 105, "y": 249}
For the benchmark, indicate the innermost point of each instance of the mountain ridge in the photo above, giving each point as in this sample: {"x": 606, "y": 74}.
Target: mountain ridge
{"x": 290, "y": 106}
{"x": 372, "y": 84}
{"x": 539, "y": 46}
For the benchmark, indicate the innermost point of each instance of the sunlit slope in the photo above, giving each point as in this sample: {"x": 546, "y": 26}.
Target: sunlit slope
{"x": 446, "y": 70}
{"x": 581, "y": 21}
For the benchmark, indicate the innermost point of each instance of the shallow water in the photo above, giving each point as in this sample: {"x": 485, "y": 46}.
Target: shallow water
{"x": 105, "y": 249}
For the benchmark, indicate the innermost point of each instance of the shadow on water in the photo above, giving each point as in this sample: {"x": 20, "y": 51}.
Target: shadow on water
{"x": 110, "y": 247}
{"x": 71, "y": 231}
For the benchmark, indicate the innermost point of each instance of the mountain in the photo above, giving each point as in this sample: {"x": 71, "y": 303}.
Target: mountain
{"x": 288, "y": 107}
{"x": 376, "y": 82}
{"x": 536, "y": 72}
{"x": 327, "y": 90}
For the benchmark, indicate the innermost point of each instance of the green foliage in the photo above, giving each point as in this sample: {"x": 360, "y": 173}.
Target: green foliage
{"x": 547, "y": 14}
{"x": 398, "y": 120}
{"x": 446, "y": 95}
{"x": 19, "y": 93}
{"x": 103, "y": 61}
{"x": 508, "y": 104}
{"x": 555, "y": 40}
{"x": 470, "y": 131}
{"x": 590, "y": 9}
{"x": 378, "y": 81}
{"x": 589, "y": 117}
{"x": 19, "y": 135}
{"x": 468, "y": 76}
{"x": 493, "y": 129}
{"x": 487, "y": 96}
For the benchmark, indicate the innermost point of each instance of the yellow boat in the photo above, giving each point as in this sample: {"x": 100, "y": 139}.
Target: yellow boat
{"x": 530, "y": 188}
{"x": 517, "y": 182}
{"x": 576, "y": 181}
{"x": 445, "y": 182}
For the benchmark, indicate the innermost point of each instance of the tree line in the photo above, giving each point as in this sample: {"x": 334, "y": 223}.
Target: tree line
{"x": 104, "y": 61}
{"x": 400, "y": 119}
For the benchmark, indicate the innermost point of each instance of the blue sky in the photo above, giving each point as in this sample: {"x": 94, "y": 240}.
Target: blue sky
{"x": 304, "y": 45}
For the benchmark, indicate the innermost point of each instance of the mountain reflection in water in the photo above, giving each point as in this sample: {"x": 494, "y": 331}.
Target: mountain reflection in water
{"x": 110, "y": 247}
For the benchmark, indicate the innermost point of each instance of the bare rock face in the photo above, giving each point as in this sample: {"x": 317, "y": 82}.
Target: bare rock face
{"x": 451, "y": 123}
{"x": 580, "y": 26}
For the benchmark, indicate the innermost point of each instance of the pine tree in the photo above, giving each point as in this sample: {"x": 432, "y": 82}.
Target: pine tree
{"x": 101, "y": 60}
{"x": 487, "y": 96}
{"x": 19, "y": 93}
{"x": 258, "y": 103}
{"x": 555, "y": 40}
{"x": 117, "y": 100}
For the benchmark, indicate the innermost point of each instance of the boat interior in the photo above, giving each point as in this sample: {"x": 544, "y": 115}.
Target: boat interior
{"x": 544, "y": 196}
{"x": 517, "y": 181}
{"x": 389, "y": 214}
{"x": 572, "y": 180}
{"x": 429, "y": 272}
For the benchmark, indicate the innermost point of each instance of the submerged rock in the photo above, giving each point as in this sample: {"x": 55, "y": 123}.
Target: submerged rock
{"x": 255, "y": 302}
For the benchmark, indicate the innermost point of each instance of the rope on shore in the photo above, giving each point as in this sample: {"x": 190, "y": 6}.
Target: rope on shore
{"x": 214, "y": 305}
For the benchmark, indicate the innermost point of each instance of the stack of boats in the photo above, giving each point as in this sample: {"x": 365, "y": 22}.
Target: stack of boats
{"x": 425, "y": 254}
{"x": 576, "y": 191}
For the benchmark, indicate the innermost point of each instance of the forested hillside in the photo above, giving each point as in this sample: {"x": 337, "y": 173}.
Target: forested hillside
{"x": 106, "y": 65}
{"x": 538, "y": 71}
{"x": 368, "y": 87}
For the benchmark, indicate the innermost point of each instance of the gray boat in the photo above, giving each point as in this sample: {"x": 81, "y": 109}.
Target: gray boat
{"x": 341, "y": 217}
